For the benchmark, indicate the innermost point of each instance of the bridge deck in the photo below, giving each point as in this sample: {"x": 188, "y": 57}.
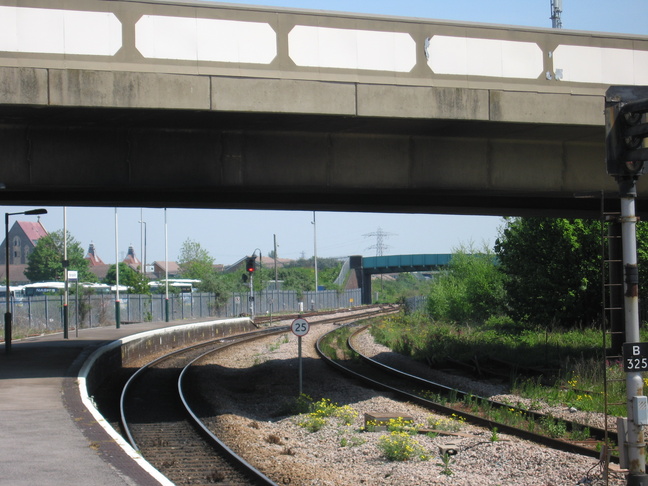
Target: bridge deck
{"x": 210, "y": 105}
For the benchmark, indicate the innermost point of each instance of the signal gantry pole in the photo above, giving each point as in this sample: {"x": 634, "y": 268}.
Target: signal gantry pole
{"x": 626, "y": 156}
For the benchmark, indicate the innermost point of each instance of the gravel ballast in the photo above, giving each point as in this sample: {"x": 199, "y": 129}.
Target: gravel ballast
{"x": 251, "y": 388}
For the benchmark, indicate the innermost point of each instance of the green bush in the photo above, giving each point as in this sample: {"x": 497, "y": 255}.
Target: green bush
{"x": 401, "y": 446}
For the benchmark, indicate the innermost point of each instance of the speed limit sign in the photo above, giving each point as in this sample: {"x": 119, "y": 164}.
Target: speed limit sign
{"x": 300, "y": 327}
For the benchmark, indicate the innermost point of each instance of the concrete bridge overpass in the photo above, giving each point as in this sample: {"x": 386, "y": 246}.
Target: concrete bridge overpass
{"x": 178, "y": 104}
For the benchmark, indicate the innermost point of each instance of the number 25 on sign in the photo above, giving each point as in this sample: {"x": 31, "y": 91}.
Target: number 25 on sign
{"x": 300, "y": 327}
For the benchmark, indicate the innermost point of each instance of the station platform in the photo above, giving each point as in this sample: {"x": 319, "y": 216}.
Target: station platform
{"x": 47, "y": 436}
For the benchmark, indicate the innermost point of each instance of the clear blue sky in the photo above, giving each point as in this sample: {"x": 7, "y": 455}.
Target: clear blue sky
{"x": 230, "y": 235}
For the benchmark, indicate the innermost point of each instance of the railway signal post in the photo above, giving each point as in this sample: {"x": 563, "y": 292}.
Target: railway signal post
{"x": 250, "y": 266}
{"x": 626, "y": 156}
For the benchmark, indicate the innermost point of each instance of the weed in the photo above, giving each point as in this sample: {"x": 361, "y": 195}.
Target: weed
{"x": 352, "y": 441}
{"x": 400, "y": 446}
{"x": 401, "y": 425}
{"x": 320, "y": 411}
{"x": 494, "y": 436}
{"x": 446, "y": 460}
{"x": 312, "y": 423}
{"x": 580, "y": 433}
{"x": 553, "y": 427}
{"x": 452, "y": 424}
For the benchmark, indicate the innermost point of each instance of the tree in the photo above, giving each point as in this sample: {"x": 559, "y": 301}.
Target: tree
{"x": 471, "y": 290}
{"x": 194, "y": 261}
{"x": 135, "y": 281}
{"x": 46, "y": 260}
{"x": 219, "y": 285}
{"x": 552, "y": 269}
{"x": 298, "y": 279}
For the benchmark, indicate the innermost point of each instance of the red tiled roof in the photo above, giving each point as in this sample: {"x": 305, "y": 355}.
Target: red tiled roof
{"x": 34, "y": 230}
{"x": 92, "y": 256}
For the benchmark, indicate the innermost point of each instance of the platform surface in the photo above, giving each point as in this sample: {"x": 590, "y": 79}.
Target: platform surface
{"x": 47, "y": 436}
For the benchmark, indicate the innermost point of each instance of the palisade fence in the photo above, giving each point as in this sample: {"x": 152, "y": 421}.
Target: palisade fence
{"x": 40, "y": 314}
{"x": 416, "y": 304}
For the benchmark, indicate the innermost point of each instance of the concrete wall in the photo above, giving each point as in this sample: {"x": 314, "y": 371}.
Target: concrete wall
{"x": 277, "y": 108}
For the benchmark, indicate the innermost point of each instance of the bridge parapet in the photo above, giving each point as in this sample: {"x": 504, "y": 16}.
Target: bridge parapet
{"x": 405, "y": 263}
{"x": 301, "y": 57}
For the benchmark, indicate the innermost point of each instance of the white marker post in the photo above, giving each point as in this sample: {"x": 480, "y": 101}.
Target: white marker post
{"x": 299, "y": 328}
{"x": 74, "y": 275}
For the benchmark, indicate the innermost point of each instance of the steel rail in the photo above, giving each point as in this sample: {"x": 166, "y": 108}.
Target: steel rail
{"x": 138, "y": 374}
{"x": 216, "y": 345}
{"x": 257, "y": 476}
{"x": 474, "y": 419}
{"x": 595, "y": 432}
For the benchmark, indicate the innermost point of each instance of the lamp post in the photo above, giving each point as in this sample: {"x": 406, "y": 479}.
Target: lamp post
{"x": 166, "y": 267}
{"x": 8, "y": 315}
{"x": 315, "y": 258}
{"x": 143, "y": 249}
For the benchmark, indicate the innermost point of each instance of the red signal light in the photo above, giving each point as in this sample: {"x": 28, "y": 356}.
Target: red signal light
{"x": 250, "y": 264}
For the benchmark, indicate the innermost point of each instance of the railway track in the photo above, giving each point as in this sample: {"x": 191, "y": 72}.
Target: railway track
{"x": 158, "y": 423}
{"x": 159, "y": 416}
{"x": 443, "y": 399}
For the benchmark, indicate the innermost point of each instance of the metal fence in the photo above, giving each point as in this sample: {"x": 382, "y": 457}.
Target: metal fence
{"x": 39, "y": 314}
{"x": 416, "y": 304}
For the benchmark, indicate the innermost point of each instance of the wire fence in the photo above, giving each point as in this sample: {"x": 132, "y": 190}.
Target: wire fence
{"x": 41, "y": 314}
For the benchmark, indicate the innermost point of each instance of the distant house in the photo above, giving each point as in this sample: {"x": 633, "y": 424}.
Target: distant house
{"x": 16, "y": 274}
{"x": 160, "y": 269}
{"x": 263, "y": 262}
{"x": 92, "y": 257}
{"x": 23, "y": 237}
{"x": 131, "y": 260}
{"x": 96, "y": 264}
{"x": 269, "y": 262}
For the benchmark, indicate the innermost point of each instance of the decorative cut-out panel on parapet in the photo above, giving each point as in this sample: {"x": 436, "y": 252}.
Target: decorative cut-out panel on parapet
{"x": 467, "y": 56}
{"x": 215, "y": 40}
{"x": 604, "y": 65}
{"x": 325, "y": 47}
{"x": 51, "y": 31}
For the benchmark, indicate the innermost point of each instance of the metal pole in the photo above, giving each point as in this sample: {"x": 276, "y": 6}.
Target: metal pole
{"x": 166, "y": 268}
{"x": 76, "y": 308}
{"x": 117, "y": 303}
{"x": 634, "y": 382}
{"x": 252, "y": 295}
{"x": 299, "y": 352}
{"x": 8, "y": 316}
{"x": 66, "y": 314}
{"x": 8, "y": 302}
{"x": 276, "y": 285}
{"x": 141, "y": 221}
{"x": 315, "y": 306}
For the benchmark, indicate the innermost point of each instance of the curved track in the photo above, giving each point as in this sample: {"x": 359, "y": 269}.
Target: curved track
{"x": 417, "y": 389}
{"x": 157, "y": 422}
{"x": 158, "y": 419}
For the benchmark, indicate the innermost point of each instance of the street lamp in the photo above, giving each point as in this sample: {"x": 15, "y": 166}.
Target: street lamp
{"x": 143, "y": 249}
{"x": 8, "y": 316}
